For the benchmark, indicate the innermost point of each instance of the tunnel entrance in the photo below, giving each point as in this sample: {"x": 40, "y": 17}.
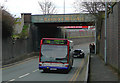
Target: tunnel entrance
{"x": 53, "y": 30}
{"x": 47, "y": 31}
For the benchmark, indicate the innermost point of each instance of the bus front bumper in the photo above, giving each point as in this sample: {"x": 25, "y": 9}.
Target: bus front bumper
{"x": 52, "y": 68}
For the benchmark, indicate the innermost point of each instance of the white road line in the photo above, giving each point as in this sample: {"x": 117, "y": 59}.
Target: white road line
{"x": 24, "y": 75}
{"x": 12, "y": 80}
{"x": 35, "y": 70}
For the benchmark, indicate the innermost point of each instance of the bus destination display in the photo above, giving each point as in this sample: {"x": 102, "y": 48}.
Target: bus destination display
{"x": 63, "y": 42}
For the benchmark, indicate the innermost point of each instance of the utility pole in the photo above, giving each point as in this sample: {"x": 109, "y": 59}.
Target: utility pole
{"x": 64, "y": 17}
{"x": 64, "y": 6}
{"x": 45, "y": 7}
{"x": 95, "y": 35}
{"x": 105, "y": 49}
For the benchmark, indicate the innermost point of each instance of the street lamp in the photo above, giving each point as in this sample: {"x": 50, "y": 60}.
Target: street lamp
{"x": 64, "y": 6}
{"x": 95, "y": 36}
{"x": 105, "y": 57}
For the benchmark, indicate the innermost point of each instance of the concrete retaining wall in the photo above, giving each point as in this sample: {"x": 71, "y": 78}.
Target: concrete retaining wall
{"x": 113, "y": 31}
{"x": 82, "y": 40}
{"x": 15, "y": 49}
{"x": 79, "y": 37}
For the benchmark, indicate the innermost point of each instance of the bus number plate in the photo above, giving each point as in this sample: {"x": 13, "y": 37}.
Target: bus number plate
{"x": 53, "y": 69}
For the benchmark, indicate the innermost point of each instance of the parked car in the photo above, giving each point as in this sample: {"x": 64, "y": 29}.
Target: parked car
{"x": 78, "y": 53}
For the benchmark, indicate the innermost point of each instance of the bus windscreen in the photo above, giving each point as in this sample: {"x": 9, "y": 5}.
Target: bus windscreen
{"x": 54, "y": 53}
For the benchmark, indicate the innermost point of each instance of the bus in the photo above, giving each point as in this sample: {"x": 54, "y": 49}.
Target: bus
{"x": 55, "y": 54}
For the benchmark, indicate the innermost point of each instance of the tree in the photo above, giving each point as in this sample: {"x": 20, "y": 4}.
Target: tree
{"x": 77, "y": 5}
{"x": 7, "y": 23}
{"x": 97, "y": 9}
{"x": 89, "y": 7}
{"x": 47, "y": 7}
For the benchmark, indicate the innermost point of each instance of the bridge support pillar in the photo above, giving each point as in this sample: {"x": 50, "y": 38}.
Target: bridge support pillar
{"x": 26, "y": 17}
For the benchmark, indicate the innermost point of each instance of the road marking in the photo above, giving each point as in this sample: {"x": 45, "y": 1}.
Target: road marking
{"x": 12, "y": 80}
{"x": 74, "y": 74}
{"x": 16, "y": 64}
{"x": 86, "y": 76}
{"x": 77, "y": 72}
{"x": 35, "y": 70}
{"x": 24, "y": 75}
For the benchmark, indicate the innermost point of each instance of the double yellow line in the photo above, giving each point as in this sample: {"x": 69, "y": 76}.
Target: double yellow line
{"x": 77, "y": 72}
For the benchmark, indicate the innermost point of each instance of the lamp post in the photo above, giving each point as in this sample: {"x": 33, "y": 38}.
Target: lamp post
{"x": 64, "y": 17}
{"x": 95, "y": 35}
{"x": 105, "y": 53}
{"x": 64, "y": 6}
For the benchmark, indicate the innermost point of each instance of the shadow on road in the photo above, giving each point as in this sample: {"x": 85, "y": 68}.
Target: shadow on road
{"x": 57, "y": 71}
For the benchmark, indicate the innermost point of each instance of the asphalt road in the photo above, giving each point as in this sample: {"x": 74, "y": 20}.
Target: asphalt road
{"x": 28, "y": 70}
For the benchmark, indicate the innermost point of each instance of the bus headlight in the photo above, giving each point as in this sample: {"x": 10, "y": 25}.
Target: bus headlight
{"x": 66, "y": 65}
{"x": 40, "y": 64}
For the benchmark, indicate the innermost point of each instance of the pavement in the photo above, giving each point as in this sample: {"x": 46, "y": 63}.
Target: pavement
{"x": 101, "y": 72}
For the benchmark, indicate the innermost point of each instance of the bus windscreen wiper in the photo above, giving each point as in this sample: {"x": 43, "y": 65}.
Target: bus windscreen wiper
{"x": 61, "y": 58}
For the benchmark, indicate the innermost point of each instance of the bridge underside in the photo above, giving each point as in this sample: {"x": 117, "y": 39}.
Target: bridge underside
{"x": 67, "y": 24}
{"x": 51, "y": 30}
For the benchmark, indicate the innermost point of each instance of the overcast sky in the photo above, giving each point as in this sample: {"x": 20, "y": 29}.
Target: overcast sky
{"x": 16, "y": 7}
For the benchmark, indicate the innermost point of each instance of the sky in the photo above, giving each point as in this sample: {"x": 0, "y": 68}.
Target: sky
{"x": 16, "y": 7}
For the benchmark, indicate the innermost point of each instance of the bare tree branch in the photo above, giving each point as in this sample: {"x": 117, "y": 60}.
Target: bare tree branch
{"x": 90, "y": 7}
{"x": 47, "y": 7}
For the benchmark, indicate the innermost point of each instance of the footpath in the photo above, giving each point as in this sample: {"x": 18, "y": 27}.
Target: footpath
{"x": 99, "y": 72}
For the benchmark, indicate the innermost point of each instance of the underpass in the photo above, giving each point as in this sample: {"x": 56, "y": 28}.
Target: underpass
{"x": 51, "y": 26}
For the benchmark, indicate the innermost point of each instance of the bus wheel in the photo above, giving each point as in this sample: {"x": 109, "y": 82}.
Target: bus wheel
{"x": 45, "y": 70}
{"x": 66, "y": 71}
{"x": 71, "y": 67}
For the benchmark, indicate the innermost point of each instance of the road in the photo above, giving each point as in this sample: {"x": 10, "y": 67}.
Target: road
{"x": 28, "y": 70}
